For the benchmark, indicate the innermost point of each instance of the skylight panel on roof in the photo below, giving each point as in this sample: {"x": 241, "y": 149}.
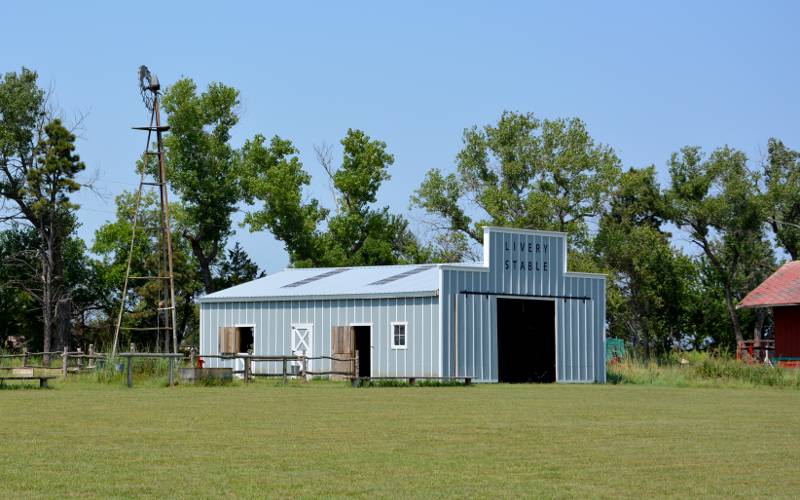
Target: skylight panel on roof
{"x": 314, "y": 278}
{"x": 402, "y": 275}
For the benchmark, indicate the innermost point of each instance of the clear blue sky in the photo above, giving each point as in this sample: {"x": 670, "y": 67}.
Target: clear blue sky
{"x": 647, "y": 77}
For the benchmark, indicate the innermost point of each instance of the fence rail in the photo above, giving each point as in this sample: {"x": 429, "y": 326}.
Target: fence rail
{"x": 88, "y": 360}
{"x": 249, "y": 359}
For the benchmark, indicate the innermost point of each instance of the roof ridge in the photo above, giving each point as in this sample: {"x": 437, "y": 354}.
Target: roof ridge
{"x": 375, "y": 266}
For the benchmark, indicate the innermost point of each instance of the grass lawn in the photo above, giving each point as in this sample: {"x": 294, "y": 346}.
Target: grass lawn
{"x": 326, "y": 439}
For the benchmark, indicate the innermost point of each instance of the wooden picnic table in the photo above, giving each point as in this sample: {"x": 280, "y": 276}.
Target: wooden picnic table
{"x": 23, "y": 374}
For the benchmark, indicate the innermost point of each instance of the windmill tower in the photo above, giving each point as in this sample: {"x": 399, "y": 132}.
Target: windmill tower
{"x": 165, "y": 314}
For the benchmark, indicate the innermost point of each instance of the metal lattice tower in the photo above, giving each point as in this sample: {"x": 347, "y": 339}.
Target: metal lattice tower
{"x": 165, "y": 314}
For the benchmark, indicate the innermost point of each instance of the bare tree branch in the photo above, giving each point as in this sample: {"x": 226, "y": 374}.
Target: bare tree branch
{"x": 324, "y": 154}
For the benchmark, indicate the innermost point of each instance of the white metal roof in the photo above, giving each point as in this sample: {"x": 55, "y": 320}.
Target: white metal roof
{"x": 419, "y": 280}
{"x": 351, "y": 282}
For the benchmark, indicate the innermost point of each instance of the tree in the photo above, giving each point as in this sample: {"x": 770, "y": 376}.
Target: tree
{"x": 716, "y": 202}
{"x": 237, "y": 268}
{"x": 649, "y": 279}
{"x": 273, "y": 175}
{"x": 523, "y": 172}
{"x": 112, "y": 244}
{"x": 356, "y": 234}
{"x": 38, "y": 166}
{"x": 782, "y": 178}
{"x": 20, "y": 314}
{"x": 88, "y": 295}
{"x": 708, "y": 321}
{"x": 201, "y": 166}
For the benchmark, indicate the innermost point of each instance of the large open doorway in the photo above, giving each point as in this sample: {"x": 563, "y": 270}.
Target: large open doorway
{"x": 363, "y": 345}
{"x": 526, "y": 340}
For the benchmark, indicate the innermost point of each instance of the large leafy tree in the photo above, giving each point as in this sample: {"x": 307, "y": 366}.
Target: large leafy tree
{"x": 38, "y": 166}
{"x": 20, "y": 313}
{"x": 201, "y": 167}
{"x": 521, "y": 172}
{"x": 112, "y": 244}
{"x": 649, "y": 279}
{"x": 782, "y": 179}
{"x": 272, "y": 175}
{"x": 715, "y": 200}
{"x": 355, "y": 233}
{"x": 707, "y": 318}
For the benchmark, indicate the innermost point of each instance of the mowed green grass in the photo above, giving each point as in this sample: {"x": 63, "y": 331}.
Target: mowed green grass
{"x": 329, "y": 440}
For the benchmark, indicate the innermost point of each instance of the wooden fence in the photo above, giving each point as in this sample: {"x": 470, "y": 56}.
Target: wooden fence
{"x": 248, "y": 359}
{"x": 83, "y": 361}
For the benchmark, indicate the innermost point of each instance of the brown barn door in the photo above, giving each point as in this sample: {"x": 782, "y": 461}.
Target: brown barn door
{"x": 343, "y": 340}
{"x": 228, "y": 339}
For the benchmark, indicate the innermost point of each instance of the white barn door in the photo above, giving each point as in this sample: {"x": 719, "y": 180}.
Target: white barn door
{"x": 302, "y": 336}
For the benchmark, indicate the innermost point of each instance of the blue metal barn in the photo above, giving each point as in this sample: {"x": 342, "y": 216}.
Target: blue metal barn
{"x": 517, "y": 316}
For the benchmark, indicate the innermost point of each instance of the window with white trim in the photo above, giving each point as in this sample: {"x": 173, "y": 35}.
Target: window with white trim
{"x": 399, "y": 335}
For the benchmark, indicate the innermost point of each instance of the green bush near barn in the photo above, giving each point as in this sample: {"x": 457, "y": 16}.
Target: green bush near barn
{"x": 700, "y": 369}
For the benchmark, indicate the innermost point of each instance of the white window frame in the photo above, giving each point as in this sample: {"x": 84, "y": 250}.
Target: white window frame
{"x": 391, "y": 334}
{"x": 248, "y": 325}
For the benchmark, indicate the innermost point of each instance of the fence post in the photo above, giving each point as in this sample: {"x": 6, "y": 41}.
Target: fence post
{"x": 305, "y": 368}
{"x": 355, "y": 365}
{"x": 170, "y": 365}
{"x": 248, "y": 369}
{"x": 191, "y": 357}
{"x": 91, "y": 356}
{"x": 64, "y": 361}
{"x": 284, "y": 370}
{"x": 80, "y": 359}
{"x": 24, "y": 357}
{"x": 130, "y": 370}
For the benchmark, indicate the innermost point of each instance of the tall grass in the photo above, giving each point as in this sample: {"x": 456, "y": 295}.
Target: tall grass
{"x": 700, "y": 369}
{"x": 143, "y": 369}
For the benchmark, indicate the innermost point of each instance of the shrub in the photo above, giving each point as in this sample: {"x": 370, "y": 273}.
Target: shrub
{"x": 700, "y": 369}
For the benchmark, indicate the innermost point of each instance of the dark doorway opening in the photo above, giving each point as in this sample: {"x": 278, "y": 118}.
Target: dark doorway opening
{"x": 245, "y": 338}
{"x": 364, "y": 348}
{"x": 526, "y": 340}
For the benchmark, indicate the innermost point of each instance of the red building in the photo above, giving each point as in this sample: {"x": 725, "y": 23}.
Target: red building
{"x": 781, "y": 292}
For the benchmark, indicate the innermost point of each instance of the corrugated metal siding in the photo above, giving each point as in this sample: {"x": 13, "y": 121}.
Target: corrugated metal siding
{"x": 580, "y": 324}
{"x": 273, "y": 321}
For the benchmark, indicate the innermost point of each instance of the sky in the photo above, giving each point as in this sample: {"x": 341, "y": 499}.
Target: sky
{"x": 646, "y": 77}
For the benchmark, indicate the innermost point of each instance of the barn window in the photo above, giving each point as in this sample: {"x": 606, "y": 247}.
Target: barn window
{"x": 399, "y": 335}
